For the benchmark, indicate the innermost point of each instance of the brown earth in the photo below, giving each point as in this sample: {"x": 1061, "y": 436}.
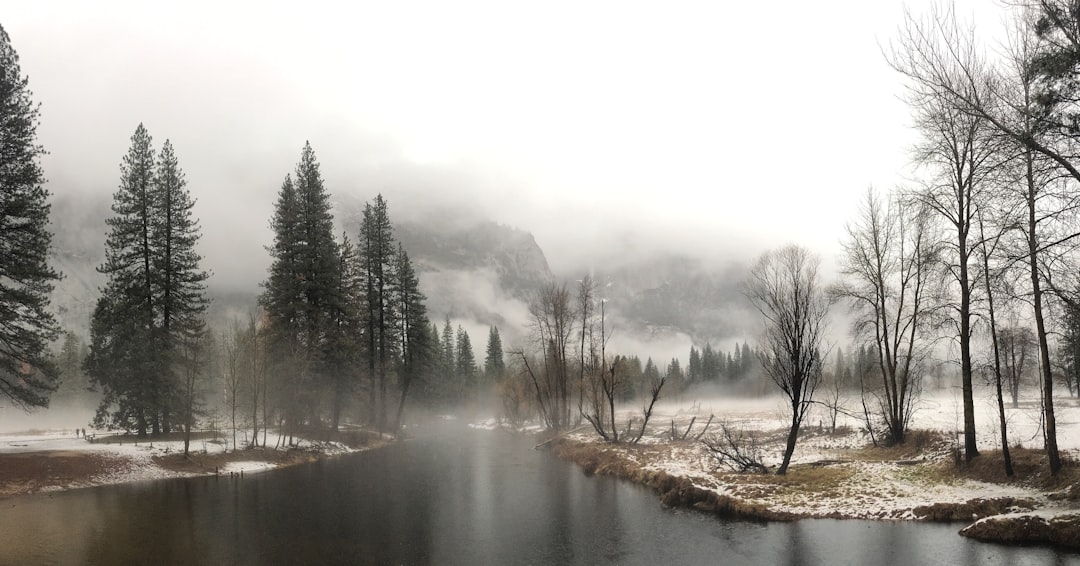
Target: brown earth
{"x": 23, "y": 473}
{"x": 629, "y": 461}
{"x": 1027, "y": 529}
{"x": 30, "y": 472}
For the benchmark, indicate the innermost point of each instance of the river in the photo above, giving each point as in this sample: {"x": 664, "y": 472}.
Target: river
{"x": 450, "y": 496}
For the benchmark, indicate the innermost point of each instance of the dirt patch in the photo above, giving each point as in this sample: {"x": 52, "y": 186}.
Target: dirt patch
{"x": 805, "y": 491}
{"x": 30, "y": 472}
{"x": 1028, "y": 529}
{"x": 806, "y": 479}
{"x": 970, "y": 510}
{"x": 23, "y": 473}
{"x": 199, "y": 463}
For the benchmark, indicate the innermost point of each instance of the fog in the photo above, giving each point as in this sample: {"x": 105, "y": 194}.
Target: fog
{"x": 606, "y": 130}
{"x": 60, "y": 416}
{"x": 613, "y": 133}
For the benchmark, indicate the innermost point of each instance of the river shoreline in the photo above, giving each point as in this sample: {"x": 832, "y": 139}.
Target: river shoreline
{"x": 48, "y": 462}
{"x": 1004, "y": 516}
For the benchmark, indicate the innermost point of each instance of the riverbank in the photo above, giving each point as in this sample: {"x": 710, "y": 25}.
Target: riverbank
{"x": 839, "y": 474}
{"x": 53, "y": 460}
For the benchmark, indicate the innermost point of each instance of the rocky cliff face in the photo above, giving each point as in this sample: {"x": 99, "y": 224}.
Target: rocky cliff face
{"x": 475, "y": 271}
{"x": 509, "y": 254}
{"x": 669, "y": 293}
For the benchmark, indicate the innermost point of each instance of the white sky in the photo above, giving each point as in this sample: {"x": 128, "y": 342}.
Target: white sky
{"x": 728, "y": 127}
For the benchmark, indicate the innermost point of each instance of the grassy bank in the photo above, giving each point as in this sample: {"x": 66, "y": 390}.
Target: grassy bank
{"x": 916, "y": 481}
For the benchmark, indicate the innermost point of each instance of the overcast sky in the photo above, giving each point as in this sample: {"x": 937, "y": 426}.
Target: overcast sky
{"x": 735, "y": 125}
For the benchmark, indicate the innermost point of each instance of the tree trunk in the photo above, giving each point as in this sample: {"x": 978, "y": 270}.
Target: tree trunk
{"x": 971, "y": 449}
{"x": 997, "y": 354}
{"x": 1040, "y": 329}
{"x": 1052, "y": 454}
{"x": 789, "y": 448}
{"x": 401, "y": 405}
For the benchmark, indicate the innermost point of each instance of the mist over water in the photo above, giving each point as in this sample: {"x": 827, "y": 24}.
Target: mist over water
{"x": 449, "y": 496}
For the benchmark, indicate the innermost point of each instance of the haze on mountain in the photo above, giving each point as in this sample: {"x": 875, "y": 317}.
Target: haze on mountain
{"x": 658, "y": 147}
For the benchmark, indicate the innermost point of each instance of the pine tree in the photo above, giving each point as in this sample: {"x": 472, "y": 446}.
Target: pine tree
{"x": 838, "y": 373}
{"x": 494, "y": 362}
{"x": 415, "y": 347}
{"x": 283, "y": 290}
{"x": 343, "y": 350}
{"x": 125, "y": 351}
{"x": 301, "y": 294}
{"x": 177, "y": 279}
{"x": 27, "y": 372}
{"x": 748, "y": 360}
{"x": 695, "y": 365}
{"x": 377, "y": 260}
{"x": 448, "y": 359}
{"x": 650, "y": 373}
{"x": 154, "y": 299}
{"x": 69, "y": 361}
{"x": 709, "y": 363}
{"x": 466, "y": 361}
{"x": 674, "y": 371}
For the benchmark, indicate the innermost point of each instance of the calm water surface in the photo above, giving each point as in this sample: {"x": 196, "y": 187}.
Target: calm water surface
{"x": 450, "y": 496}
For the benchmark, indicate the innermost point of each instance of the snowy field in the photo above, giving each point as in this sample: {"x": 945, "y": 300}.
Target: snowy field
{"x": 854, "y": 486}
{"x": 130, "y": 460}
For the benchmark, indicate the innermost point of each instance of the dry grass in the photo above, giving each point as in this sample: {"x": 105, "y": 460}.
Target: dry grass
{"x": 919, "y": 444}
{"x": 200, "y": 436}
{"x": 29, "y": 472}
{"x": 202, "y": 463}
{"x": 1030, "y": 467}
{"x": 1062, "y": 531}
{"x": 625, "y": 462}
{"x": 819, "y": 482}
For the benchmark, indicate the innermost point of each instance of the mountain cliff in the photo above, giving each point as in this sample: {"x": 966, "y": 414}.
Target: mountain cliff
{"x": 475, "y": 271}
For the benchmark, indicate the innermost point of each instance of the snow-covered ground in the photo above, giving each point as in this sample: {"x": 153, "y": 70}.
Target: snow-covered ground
{"x": 859, "y": 486}
{"x": 131, "y": 460}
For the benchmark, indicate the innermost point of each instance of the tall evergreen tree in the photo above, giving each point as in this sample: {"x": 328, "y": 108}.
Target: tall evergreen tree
{"x": 466, "y": 361}
{"x": 69, "y": 361}
{"x": 695, "y": 365}
{"x": 344, "y": 348}
{"x": 377, "y": 260}
{"x": 154, "y": 298}
{"x": 651, "y": 372}
{"x": 415, "y": 346}
{"x": 177, "y": 279}
{"x": 448, "y": 363}
{"x": 494, "y": 361}
{"x": 747, "y": 360}
{"x": 27, "y": 373}
{"x": 125, "y": 355}
{"x": 301, "y": 294}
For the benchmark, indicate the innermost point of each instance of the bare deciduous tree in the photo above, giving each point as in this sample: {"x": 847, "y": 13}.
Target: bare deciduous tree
{"x": 553, "y": 324}
{"x": 995, "y": 342}
{"x": 890, "y": 282}
{"x": 655, "y": 387}
{"x": 959, "y": 151}
{"x": 232, "y": 346}
{"x": 1032, "y": 105}
{"x": 784, "y": 287}
{"x": 603, "y": 387}
{"x": 1017, "y": 343}
{"x": 737, "y": 449}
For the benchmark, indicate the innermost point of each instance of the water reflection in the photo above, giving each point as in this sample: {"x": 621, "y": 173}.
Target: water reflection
{"x": 453, "y": 496}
